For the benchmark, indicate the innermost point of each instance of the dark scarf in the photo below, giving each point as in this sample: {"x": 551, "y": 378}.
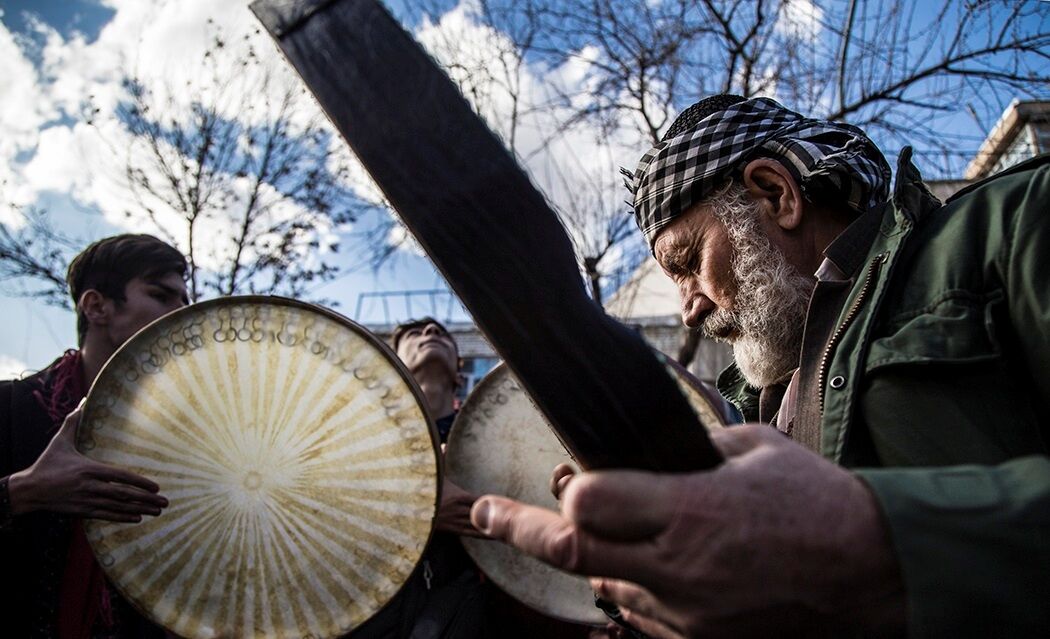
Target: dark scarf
{"x": 83, "y": 599}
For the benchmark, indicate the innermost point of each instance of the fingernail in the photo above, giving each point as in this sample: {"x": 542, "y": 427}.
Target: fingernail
{"x": 596, "y": 585}
{"x": 481, "y": 515}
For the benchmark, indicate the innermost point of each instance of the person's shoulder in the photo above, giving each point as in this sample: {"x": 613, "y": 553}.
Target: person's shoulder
{"x": 28, "y": 379}
{"x": 21, "y": 386}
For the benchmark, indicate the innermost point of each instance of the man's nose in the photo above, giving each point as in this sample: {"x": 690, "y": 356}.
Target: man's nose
{"x": 431, "y": 329}
{"x": 695, "y": 307}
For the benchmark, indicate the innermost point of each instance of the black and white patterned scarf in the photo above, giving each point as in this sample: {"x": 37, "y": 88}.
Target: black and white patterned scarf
{"x": 686, "y": 166}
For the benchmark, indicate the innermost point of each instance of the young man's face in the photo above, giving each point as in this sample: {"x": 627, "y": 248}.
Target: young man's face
{"x": 428, "y": 345}
{"x": 145, "y": 299}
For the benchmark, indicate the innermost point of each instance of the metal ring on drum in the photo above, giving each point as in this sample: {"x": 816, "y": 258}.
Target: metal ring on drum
{"x": 501, "y": 444}
{"x": 301, "y": 496}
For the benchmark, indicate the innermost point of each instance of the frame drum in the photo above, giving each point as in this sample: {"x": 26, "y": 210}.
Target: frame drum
{"x": 300, "y": 468}
{"x": 501, "y": 444}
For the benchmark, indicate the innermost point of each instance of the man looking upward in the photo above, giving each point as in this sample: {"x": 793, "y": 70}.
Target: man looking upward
{"x": 902, "y": 339}
{"x": 432, "y": 356}
{"x": 444, "y": 597}
{"x": 55, "y": 587}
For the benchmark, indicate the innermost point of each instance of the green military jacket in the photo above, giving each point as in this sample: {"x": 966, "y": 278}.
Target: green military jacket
{"x": 936, "y": 390}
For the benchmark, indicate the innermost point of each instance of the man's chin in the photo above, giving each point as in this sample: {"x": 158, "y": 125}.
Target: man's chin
{"x": 760, "y": 365}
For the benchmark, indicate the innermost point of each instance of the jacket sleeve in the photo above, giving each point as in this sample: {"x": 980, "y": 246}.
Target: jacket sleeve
{"x": 973, "y": 544}
{"x": 974, "y": 541}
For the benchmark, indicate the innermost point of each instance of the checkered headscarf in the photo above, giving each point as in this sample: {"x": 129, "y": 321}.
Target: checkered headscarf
{"x": 714, "y": 137}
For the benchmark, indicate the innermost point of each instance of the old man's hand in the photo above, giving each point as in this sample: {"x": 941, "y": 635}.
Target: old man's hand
{"x": 775, "y": 541}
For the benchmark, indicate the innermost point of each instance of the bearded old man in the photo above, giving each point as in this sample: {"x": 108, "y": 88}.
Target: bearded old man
{"x": 901, "y": 348}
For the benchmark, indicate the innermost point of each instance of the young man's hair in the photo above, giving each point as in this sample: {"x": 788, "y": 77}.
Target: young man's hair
{"x": 110, "y": 263}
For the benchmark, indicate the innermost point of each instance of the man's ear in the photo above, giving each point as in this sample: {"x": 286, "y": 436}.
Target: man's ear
{"x": 96, "y": 307}
{"x": 772, "y": 185}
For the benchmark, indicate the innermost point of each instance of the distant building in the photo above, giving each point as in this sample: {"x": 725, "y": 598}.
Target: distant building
{"x": 649, "y": 303}
{"x": 1021, "y": 133}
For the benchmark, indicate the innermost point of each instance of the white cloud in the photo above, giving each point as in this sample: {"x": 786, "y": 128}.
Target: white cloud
{"x": 11, "y": 368}
{"x": 578, "y": 170}
{"x": 800, "y": 19}
{"x": 163, "y": 42}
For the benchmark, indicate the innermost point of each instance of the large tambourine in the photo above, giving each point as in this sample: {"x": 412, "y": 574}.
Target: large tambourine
{"x": 501, "y": 444}
{"x": 300, "y": 467}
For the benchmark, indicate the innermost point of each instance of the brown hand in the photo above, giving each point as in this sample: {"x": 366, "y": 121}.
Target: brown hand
{"x": 66, "y": 482}
{"x": 454, "y": 512}
{"x": 775, "y": 541}
{"x": 560, "y": 478}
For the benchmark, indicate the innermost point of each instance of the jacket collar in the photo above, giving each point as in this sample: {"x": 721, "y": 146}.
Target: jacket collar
{"x": 911, "y": 197}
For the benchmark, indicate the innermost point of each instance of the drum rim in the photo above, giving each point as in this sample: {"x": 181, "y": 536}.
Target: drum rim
{"x": 500, "y": 370}
{"x": 277, "y": 300}
{"x": 491, "y": 378}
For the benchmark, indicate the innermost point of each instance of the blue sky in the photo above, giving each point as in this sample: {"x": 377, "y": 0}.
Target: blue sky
{"x": 57, "y": 52}
{"x": 36, "y": 333}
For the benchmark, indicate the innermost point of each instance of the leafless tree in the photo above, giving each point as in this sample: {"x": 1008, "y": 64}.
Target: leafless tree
{"x": 241, "y": 172}
{"x": 33, "y": 257}
{"x": 243, "y": 161}
{"x": 898, "y": 69}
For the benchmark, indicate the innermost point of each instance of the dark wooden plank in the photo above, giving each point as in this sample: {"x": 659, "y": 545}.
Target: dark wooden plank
{"x": 492, "y": 235}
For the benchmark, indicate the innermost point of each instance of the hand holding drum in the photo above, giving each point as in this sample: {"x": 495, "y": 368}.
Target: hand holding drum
{"x": 501, "y": 444}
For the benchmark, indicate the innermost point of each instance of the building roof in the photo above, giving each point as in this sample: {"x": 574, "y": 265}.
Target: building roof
{"x": 1003, "y": 134}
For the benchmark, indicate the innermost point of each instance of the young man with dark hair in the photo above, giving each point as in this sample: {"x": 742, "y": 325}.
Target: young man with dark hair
{"x": 118, "y": 285}
{"x": 432, "y": 356}
{"x": 444, "y": 597}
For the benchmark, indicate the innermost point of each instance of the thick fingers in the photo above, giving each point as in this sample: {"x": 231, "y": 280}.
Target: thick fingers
{"x": 560, "y": 477}
{"x": 118, "y": 506}
{"x": 130, "y": 495}
{"x": 548, "y": 536}
{"x": 623, "y": 505}
{"x": 738, "y": 440}
{"x": 108, "y": 473}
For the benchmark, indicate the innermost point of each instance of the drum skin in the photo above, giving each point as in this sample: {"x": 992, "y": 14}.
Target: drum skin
{"x": 501, "y": 444}
{"x": 300, "y": 468}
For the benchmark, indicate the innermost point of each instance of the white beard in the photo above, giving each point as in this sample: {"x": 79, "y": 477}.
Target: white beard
{"x": 771, "y": 300}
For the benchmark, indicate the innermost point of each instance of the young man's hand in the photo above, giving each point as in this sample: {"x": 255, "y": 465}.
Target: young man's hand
{"x": 66, "y": 482}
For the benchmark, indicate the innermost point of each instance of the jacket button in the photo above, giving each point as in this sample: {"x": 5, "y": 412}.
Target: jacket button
{"x": 837, "y": 382}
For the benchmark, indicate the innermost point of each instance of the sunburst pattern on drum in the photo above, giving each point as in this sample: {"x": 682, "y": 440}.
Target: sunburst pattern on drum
{"x": 300, "y": 470}
{"x": 502, "y": 444}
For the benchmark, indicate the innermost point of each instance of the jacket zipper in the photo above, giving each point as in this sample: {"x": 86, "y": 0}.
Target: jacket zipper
{"x": 825, "y": 361}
